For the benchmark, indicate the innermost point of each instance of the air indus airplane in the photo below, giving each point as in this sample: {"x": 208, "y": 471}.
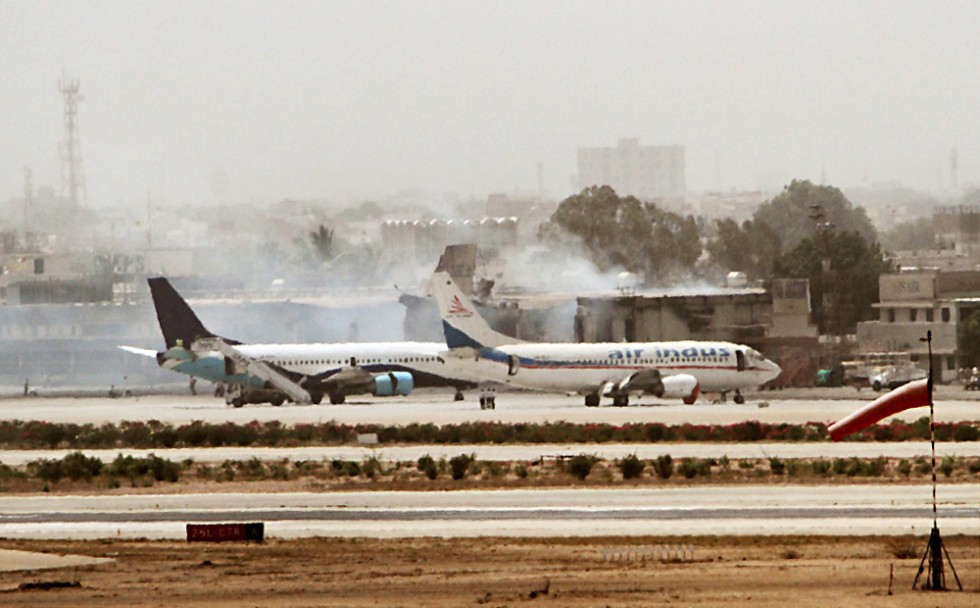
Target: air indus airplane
{"x": 303, "y": 373}
{"x": 618, "y": 370}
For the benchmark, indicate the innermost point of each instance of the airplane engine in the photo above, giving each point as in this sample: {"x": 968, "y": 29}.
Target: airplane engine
{"x": 681, "y": 386}
{"x": 393, "y": 383}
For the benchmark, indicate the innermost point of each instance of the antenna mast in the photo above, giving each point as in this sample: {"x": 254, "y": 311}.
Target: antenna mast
{"x": 72, "y": 176}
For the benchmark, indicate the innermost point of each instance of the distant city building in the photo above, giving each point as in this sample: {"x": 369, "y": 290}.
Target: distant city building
{"x": 646, "y": 172}
{"x": 915, "y": 301}
{"x": 958, "y": 227}
{"x": 420, "y": 242}
{"x": 737, "y": 205}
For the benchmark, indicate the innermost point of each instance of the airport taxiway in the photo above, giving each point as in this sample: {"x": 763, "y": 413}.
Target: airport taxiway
{"x": 438, "y": 407}
{"x": 743, "y": 510}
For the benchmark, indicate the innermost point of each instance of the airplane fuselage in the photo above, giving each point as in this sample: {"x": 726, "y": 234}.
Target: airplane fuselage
{"x": 582, "y": 367}
{"x": 423, "y": 359}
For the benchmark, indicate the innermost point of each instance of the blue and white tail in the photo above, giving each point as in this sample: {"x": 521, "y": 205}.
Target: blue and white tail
{"x": 462, "y": 324}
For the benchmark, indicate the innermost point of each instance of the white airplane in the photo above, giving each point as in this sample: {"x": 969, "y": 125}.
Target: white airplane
{"x": 618, "y": 370}
{"x": 303, "y": 373}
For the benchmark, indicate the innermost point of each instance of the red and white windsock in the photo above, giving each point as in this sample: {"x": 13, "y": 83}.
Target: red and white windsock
{"x": 907, "y": 396}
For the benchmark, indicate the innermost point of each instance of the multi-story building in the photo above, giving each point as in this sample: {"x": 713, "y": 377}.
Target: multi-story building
{"x": 646, "y": 172}
{"x": 916, "y": 301}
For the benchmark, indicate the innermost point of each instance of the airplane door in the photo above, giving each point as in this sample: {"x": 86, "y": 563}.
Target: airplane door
{"x": 513, "y": 365}
{"x": 353, "y": 361}
{"x": 740, "y": 360}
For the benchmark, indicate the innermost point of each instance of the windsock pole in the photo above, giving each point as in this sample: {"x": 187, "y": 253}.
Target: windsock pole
{"x": 936, "y": 579}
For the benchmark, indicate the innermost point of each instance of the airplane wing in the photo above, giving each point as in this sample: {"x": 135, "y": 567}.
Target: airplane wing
{"x": 651, "y": 382}
{"x": 641, "y": 381}
{"x": 139, "y": 351}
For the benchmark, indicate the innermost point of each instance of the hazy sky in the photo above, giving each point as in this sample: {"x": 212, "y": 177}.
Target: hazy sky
{"x": 198, "y": 101}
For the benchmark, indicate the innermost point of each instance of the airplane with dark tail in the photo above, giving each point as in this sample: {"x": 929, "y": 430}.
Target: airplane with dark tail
{"x": 301, "y": 373}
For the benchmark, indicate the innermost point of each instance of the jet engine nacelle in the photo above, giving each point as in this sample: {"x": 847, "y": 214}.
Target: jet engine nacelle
{"x": 393, "y": 383}
{"x": 681, "y": 386}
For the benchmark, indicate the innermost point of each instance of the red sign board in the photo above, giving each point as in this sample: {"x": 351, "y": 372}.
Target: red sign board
{"x": 216, "y": 533}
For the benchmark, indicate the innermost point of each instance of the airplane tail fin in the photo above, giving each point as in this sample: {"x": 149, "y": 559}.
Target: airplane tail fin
{"x": 462, "y": 324}
{"x": 177, "y": 321}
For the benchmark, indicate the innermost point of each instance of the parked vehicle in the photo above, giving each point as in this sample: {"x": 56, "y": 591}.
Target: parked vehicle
{"x": 895, "y": 376}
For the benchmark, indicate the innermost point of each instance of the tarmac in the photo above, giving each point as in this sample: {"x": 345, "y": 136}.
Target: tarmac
{"x": 725, "y": 510}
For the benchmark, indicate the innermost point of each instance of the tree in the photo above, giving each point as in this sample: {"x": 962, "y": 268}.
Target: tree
{"x": 751, "y": 248}
{"x": 851, "y": 283}
{"x": 918, "y": 234}
{"x": 323, "y": 243}
{"x": 623, "y": 232}
{"x": 968, "y": 338}
{"x": 791, "y": 214}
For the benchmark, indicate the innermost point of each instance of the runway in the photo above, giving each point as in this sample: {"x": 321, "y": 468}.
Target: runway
{"x": 743, "y": 510}
{"x": 437, "y": 406}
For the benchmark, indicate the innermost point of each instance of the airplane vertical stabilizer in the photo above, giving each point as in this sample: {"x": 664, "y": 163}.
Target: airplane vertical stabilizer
{"x": 462, "y": 324}
{"x": 177, "y": 320}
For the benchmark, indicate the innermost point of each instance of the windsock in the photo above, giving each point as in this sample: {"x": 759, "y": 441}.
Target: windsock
{"x": 907, "y": 396}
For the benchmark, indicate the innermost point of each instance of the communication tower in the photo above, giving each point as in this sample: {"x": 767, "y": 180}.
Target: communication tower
{"x": 72, "y": 176}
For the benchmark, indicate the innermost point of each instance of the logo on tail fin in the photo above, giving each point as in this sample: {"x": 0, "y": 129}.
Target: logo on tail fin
{"x": 456, "y": 308}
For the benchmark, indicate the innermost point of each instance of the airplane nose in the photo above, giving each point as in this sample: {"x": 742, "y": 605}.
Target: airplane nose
{"x": 774, "y": 369}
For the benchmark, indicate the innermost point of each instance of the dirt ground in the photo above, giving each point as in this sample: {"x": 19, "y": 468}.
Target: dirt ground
{"x": 620, "y": 572}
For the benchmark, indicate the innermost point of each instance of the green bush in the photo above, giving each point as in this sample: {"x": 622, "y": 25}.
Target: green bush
{"x": 631, "y": 467}
{"x": 922, "y": 466}
{"x": 821, "y": 466}
{"x": 777, "y": 466}
{"x": 947, "y": 466}
{"x": 371, "y": 467}
{"x": 79, "y": 466}
{"x": 431, "y": 470}
{"x": 904, "y": 467}
{"x": 688, "y": 468}
{"x": 459, "y": 465}
{"x": 966, "y": 431}
{"x": 521, "y": 470}
{"x": 664, "y": 466}
{"x": 424, "y": 462}
{"x": 352, "y": 469}
{"x": 876, "y": 467}
{"x": 840, "y": 466}
{"x": 581, "y": 465}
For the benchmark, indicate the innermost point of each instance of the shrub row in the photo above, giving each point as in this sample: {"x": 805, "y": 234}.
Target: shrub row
{"x": 77, "y": 466}
{"x": 146, "y": 471}
{"x": 18, "y": 434}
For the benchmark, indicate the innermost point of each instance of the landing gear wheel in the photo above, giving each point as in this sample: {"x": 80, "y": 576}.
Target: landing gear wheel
{"x": 876, "y": 386}
{"x": 621, "y": 401}
{"x": 592, "y": 400}
{"x": 458, "y": 396}
{"x": 316, "y": 398}
{"x": 237, "y": 402}
{"x": 738, "y": 398}
{"x": 336, "y": 398}
{"x": 277, "y": 400}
